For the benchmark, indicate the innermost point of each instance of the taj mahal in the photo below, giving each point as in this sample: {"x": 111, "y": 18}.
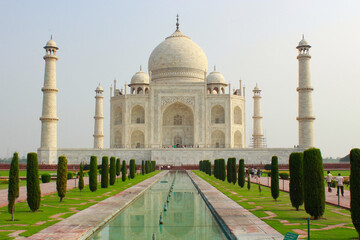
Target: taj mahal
{"x": 178, "y": 112}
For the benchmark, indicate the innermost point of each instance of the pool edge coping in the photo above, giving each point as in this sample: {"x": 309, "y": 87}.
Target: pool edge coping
{"x": 224, "y": 219}
{"x": 89, "y": 228}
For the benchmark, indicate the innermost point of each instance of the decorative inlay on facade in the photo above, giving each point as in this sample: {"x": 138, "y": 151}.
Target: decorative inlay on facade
{"x": 169, "y": 100}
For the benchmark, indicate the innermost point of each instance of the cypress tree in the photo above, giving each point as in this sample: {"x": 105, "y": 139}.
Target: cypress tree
{"x": 123, "y": 172}
{"x": 105, "y": 172}
{"x": 13, "y": 187}
{"x": 93, "y": 174}
{"x": 153, "y": 166}
{"x": 274, "y": 178}
{"x": 233, "y": 170}
{"x": 314, "y": 188}
{"x": 215, "y": 165}
{"x": 61, "y": 179}
{"x": 296, "y": 179}
{"x": 217, "y": 168}
{"x": 222, "y": 173}
{"x": 248, "y": 182}
{"x": 112, "y": 171}
{"x": 81, "y": 177}
{"x": 142, "y": 167}
{"x": 132, "y": 168}
{"x": 32, "y": 182}
{"x": 355, "y": 188}
{"x": 228, "y": 171}
{"x": 241, "y": 173}
{"x": 118, "y": 167}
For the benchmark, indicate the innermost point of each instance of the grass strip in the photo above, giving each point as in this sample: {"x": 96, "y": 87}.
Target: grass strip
{"x": 335, "y": 224}
{"x": 52, "y": 211}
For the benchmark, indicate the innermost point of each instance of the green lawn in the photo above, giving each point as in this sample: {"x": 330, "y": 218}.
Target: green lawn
{"x": 52, "y": 211}
{"x": 336, "y": 172}
{"x": 22, "y": 173}
{"x": 260, "y": 202}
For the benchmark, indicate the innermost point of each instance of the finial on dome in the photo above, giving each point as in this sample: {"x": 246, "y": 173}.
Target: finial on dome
{"x": 214, "y": 68}
{"x": 140, "y": 68}
{"x": 177, "y": 22}
{"x": 303, "y": 37}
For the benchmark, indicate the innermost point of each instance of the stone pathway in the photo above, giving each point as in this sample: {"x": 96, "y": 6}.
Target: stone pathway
{"x": 299, "y": 228}
{"x": 241, "y": 223}
{"x": 46, "y": 189}
{"x": 82, "y": 224}
{"x": 330, "y": 197}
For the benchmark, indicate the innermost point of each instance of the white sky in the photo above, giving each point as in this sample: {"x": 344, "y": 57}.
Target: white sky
{"x": 254, "y": 40}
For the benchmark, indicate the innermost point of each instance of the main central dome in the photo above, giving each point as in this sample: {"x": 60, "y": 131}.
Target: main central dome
{"x": 178, "y": 59}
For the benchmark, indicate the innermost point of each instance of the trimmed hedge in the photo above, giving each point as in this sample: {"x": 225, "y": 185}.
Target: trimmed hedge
{"x": 296, "y": 179}
{"x": 241, "y": 173}
{"x": 123, "y": 171}
{"x": 132, "y": 168}
{"x": 118, "y": 167}
{"x": 45, "y": 177}
{"x": 231, "y": 170}
{"x": 13, "y": 187}
{"x": 105, "y": 172}
{"x": 142, "y": 167}
{"x": 314, "y": 187}
{"x": 81, "y": 177}
{"x": 284, "y": 176}
{"x": 355, "y": 188}
{"x": 32, "y": 182}
{"x": 62, "y": 177}
{"x": 112, "y": 171}
{"x": 70, "y": 175}
{"x": 274, "y": 178}
{"x": 93, "y": 174}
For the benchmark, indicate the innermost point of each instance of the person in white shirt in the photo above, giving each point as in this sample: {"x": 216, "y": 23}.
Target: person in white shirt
{"x": 340, "y": 184}
{"x": 329, "y": 180}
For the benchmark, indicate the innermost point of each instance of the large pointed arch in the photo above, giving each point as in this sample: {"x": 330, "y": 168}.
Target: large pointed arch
{"x": 177, "y": 123}
{"x": 137, "y": 115}
{"x": 217, "y": 139}
{"x": 137, "y": 139}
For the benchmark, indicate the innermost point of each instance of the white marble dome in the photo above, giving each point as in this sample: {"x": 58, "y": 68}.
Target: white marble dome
{"x": 51, "y": 43}
{"x": 215, "y": 78}
{"x": 140, "y": 78}
{"x": 178, "y": 59}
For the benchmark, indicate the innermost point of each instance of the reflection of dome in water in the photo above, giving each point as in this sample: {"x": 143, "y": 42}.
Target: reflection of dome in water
{"x": 178, "y": 57}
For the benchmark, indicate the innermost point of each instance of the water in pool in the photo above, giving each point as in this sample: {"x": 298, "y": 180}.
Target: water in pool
{"x": 187, "y": 216}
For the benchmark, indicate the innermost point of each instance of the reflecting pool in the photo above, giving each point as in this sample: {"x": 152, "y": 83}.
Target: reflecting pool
{"x": 186, "y": 217}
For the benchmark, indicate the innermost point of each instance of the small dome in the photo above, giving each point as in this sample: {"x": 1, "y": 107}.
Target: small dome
{"x": 256, "y": 88}
{"x": 140, "y": 78}
{"x": 303, "y": 42}
{"x": 99, "y": 88}
{"x": 51, "y": 43}
{"x": 215, "y": 77}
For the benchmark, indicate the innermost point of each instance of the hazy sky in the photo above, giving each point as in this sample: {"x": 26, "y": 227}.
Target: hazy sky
{"x": 252, "y": 40}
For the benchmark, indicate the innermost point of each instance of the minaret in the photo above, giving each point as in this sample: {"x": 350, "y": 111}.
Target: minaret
{"x": 257, "y": 118}
{"x": 48, "y": 147}
{"x": 305, "y": 117}
{"x": 99, "y": 119}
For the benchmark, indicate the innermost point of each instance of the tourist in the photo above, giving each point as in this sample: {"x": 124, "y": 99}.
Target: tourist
{"x": 329, "y": 178}
{"x": 259, "y": 173}
{"x": 340, "y": 184}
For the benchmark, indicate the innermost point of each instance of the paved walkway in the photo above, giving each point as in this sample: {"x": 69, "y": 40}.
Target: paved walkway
{"x": 242, "y": 224}
{"x": 83, "y": 224}
{"x": 330, "y": 197}
{"x": 46, "y": 188}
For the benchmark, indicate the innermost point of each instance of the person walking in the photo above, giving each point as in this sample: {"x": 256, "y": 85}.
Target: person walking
{"x": 340, "y": 184}
{"x": 329, "y": 178}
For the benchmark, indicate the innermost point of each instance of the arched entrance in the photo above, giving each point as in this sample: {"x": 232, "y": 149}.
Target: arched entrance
{"x": 177, "y": 126}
